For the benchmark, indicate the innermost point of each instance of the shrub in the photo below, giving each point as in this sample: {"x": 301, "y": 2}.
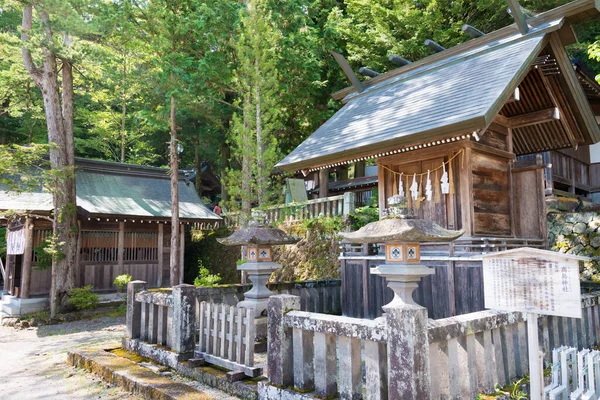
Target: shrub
{"x": 121, "y": 281}
{"x": 83, "y": 298}
{"x": 205, "y": 278}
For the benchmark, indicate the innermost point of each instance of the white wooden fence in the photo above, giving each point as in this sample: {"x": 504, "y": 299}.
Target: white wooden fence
{"x": 226, "y": 337}
{"x": 575, "y": 375}
{"x": 327, "y": 207}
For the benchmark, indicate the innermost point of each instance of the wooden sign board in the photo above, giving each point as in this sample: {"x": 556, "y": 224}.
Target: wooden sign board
{"x": 15, "y": 241}
{"x": 297, "y": 190}
{"x": 533, "y": 281}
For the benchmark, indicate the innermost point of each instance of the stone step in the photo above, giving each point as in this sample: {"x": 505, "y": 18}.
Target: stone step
{"x": 132, "y": 377}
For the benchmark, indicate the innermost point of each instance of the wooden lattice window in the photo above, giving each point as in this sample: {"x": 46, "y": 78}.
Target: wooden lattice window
{"x": 99, "y": 245}
{"x": 141, "y": 246}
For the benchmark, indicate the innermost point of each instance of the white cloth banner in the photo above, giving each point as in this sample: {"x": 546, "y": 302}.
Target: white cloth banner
{"x": 15, "y": 243}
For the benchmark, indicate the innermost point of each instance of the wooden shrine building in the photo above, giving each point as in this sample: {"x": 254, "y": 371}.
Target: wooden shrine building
{"x": 124, "y": 216}
{"x": 469, "y": 110}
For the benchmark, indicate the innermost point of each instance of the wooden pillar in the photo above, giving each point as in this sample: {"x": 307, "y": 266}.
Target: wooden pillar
{"x": 465, "y": 186}
{"x": 121, "y": 248}
{"x": 161, "y": 251}
{"x": 572, "y": 172}
{"x": 78, "y": 281}
{"x": 381, "y": 188}
{"x": 27, "y": 259}
{"x": 181, "y": 251}
{"x": 324, "y": 183}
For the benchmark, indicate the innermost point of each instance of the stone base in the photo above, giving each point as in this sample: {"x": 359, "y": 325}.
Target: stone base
{"x": 13, "y": 306}
{"x": 268, "y": 392}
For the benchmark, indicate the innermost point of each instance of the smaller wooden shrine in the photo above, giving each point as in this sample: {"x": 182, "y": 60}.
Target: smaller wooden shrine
{"x": 124, "y": 216}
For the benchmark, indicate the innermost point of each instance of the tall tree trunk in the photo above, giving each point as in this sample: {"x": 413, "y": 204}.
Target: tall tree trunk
{"x": 225, "y": 155}
{"x": 246, "y": 167}
{"x": 197, "y": 165}
{"x": 123, "y": 110}
{"x": 260, "y": 167}
{"x": 59, "y": 120}
{"x": 174, "y": 264}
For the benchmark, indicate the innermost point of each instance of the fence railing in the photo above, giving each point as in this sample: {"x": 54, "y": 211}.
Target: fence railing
{"x": 327, "y": 207}
{"x": 316, "y": 296}
{"x": 226, "y": 337}
{"x": 468, "y": 354}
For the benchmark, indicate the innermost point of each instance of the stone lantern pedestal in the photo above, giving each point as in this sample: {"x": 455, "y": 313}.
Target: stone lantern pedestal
{"x": 406, "y": 321}
{"x": 259, "y": 266}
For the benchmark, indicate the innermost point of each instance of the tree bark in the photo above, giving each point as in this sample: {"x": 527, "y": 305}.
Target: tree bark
{"x": 260, "y": 175}
{"x": 123, "y": 110}
{"x": 175, "y": 238}
{"x": 59, "y": 120}
{"x": 197, "y": 165}
{"x": 246, "y": 168}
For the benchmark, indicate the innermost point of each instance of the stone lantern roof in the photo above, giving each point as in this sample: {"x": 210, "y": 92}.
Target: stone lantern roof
{"x": 401, "y": 229}
{"x": 258, "y": 235}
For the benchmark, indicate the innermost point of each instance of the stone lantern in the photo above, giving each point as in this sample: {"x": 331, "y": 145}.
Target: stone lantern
{"x": 259, "y": 265}
{"x": 402, "y": 234}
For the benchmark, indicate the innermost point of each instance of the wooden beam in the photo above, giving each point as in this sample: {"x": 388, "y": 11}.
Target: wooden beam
{"x": 567, "y": 34}
{"x": 497, "y": 128}
{"x": 501, "y": 120}
{"x": 568, "y": 74}
{"x": 567, "y": 123}
{"x": 534, "y": 118}
{"x": 343, "y": 63}
{"x": 519, "y": 17}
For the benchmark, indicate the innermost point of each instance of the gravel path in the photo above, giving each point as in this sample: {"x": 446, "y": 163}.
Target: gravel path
{"x": 33, "y": 362}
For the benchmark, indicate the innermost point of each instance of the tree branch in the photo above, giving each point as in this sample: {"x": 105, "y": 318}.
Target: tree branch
{"x": 30, "y": 66}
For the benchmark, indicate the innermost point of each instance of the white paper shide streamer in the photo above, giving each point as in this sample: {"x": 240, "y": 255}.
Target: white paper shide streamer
{"x": 414, "y": 188}
{"x": 444, "y": 180}
{"x": 400, "y": 186}
{"x": 428, "y": 188}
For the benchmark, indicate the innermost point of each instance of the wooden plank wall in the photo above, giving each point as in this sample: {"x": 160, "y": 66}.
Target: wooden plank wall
{"x": 456, "y": 288}
{"x": 491, "y": 195}
{"x": 530, "y": 206}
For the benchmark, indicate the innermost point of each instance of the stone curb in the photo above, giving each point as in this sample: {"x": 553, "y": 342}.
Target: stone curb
{"x": 131, "y": 377}
{"x": 246, "y": 389}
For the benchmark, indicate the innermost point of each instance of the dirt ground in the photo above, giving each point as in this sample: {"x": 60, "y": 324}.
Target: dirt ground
{"x": 33, "y": 362}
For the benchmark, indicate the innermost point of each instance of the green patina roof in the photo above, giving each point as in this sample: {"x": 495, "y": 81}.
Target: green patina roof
{"x": 119, "y": 189}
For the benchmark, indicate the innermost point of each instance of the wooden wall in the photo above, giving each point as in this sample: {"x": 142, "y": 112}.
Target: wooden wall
{"x": 491, "y": 195}
{"x": 456, "y": 288}
{"x": 98, "y": 261}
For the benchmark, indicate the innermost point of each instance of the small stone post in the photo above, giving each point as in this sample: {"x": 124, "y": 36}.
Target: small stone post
{"x": 184, "y": 318}
{"x": 408, "y": 352}
{"x": 134, "y": 309}
{"x": 279, "y": 354}
{"x": 349, "y": 202}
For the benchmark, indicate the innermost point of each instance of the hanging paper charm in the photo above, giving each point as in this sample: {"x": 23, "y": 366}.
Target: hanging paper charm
{"x": 414, "y": 188}
{"x": 400, "y": 186}
{"x": 428, "y": 188}
{"x": 444, "y": 180}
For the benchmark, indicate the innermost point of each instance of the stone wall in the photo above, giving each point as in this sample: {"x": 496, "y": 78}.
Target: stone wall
{"x": 579, "y": 234}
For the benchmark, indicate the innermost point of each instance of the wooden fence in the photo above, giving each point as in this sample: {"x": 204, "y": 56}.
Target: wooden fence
{"x": 468, "y": 354}
{"x": 226, "y": 337}
{"x": 456, "y": 287}
{"x": 327, "y": 207}
{"x": 316, "y": 296}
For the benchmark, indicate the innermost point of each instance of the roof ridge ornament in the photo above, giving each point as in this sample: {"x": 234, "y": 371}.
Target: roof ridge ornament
{"x": 516, "y": 11}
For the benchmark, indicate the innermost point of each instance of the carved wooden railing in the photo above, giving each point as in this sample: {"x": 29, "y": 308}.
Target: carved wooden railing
{"x": 327, "y": 207}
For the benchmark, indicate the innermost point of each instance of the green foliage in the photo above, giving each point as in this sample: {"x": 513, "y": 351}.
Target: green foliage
{"x": 202, "y": 248}
{"x": 121, "y": 281}
{"x": 83, "y": 298}
{"x": 364, "y": 215}
{"x": 44, "y": 259}
{"x": 205, "y": 278}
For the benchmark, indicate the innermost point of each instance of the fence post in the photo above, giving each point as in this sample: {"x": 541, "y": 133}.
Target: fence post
{"x": 280, "y": 355}
{"x": 349, "y": 202}
{"x": 408, "y": 352}
{"x": 184, "y": 318}
{"x": 134, "y": 309}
